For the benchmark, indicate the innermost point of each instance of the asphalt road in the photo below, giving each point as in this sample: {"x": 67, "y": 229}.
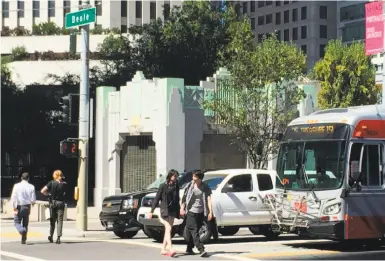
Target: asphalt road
{"x": 105, "y": 246}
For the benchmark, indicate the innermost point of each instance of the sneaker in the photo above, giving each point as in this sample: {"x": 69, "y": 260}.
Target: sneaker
{"x": 50, "y": 239}
{"x": 58, "y": 240}
{"x": 203, "y": 254}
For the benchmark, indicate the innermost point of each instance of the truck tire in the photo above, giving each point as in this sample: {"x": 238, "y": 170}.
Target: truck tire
{"x": 125, "y": 234}
{"x": 228, "y": 231}
{"x": 155, "y": 234}
{"x": 254, "y": 230}
{"x": 146, "y": 232}
{"x": 270, "y": 234}
{"x": 205, "y": 233}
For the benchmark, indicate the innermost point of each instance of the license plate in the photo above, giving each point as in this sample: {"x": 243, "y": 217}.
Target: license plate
{"x": 110, "y": 224}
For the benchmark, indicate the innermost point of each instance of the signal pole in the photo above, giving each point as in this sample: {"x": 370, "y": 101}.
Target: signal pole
{"x": 82, "y": 204}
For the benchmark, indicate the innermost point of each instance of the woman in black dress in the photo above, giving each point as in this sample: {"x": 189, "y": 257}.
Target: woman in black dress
{"x": 168, "y": 195}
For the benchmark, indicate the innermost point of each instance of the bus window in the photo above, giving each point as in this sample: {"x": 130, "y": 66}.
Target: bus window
{"x": 371, "y": 175}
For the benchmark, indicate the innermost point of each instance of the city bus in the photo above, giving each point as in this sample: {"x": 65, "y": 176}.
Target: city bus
{"x": 330, "y": 176}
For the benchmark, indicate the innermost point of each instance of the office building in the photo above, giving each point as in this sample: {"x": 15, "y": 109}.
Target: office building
{"x": 110, "y": 13}
{"x": 351, "y": 27}
{"x": 308, "y": 24}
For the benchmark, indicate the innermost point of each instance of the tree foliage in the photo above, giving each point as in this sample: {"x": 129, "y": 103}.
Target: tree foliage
{"x": 186, "y": 46}
{"x": 346, "y": 76}
{"x": 262, "y": 97}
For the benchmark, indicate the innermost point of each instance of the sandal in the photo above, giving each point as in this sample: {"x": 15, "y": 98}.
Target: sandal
{"x": 171, "y": 253}
{"x": 164, "y": 252}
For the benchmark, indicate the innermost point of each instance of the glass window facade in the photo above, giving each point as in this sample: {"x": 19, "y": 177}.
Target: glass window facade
{"x": 352, "y": 12}
{"x": 353, "y": 31}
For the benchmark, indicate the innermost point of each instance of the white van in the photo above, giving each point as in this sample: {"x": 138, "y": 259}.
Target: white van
{"x": 237, "y": 197}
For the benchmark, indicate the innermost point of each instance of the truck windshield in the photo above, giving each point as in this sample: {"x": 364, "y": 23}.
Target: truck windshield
{"x": 311, "y": 164}
{"x": 214, "y": 180}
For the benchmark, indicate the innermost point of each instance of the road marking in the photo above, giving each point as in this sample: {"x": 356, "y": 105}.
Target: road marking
{"x": 18, "y": 256}
{"x": 159, "y": 246}
{"x": 291, "y": 253}
{"x": 17, "y": 235}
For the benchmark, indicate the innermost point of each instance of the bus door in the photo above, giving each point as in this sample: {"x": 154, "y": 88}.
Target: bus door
{"x": 364, "y": 212}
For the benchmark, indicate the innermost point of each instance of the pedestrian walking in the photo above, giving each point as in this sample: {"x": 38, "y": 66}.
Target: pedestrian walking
{"x": 168, "y": 195}
{"x": 196, "y": 206}
{"x": 56, "y": 190}
{"x": 22, "y": 198}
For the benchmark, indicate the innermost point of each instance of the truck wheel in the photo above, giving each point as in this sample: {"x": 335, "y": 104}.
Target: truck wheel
{"x": 125, "y": 234}
{"x": 146, "y": 232}
{"x": 228, "y": 231}
{"x": 267, "y": 232}
{"x": 205, "y": 233}
{"x": 157, "y": 235}
{"x": 254, "y": 230}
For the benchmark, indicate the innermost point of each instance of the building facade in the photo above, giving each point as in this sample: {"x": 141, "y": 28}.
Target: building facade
{"x": 351, "y": 27}
{"x": 119, "y": 14}
{"x": 308, "y": 24}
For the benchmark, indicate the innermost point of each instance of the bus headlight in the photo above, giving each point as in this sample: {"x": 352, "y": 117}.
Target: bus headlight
{"x": 333, "y": 209}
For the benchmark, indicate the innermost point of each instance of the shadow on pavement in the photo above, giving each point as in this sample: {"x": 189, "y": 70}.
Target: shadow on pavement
{"x": 210, "y": 253}
{"x": 62, "y": 243}
{"x": 239, "y": 239}
{"x": 337, "y": 246}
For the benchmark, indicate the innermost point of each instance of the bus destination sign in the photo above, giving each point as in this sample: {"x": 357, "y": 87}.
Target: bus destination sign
{"x": 316, "y": 131}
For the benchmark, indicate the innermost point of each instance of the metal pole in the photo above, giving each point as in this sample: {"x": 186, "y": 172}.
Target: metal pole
{"x": 82, "y": 204}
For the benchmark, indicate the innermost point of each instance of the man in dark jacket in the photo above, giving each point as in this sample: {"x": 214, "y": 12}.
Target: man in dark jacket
{"x": 196, "y": 203}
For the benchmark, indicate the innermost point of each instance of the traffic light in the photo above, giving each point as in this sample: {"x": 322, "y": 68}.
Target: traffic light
{"x": 73, "y": 43}
{"x": 69, "y": 148}
{"x": 70, "y": 108}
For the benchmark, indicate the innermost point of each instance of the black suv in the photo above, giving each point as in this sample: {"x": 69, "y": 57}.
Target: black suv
{"x": 119, "y": 212}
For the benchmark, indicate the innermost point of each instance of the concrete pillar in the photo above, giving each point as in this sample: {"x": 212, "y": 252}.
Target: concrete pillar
{"x": 101, "y": 144}
{"x": 159, "y": 9}
{"x": 145, "y": 12}
{"x": 113, "y": 137}
{"x": 169, "y": 126}
{"x": 131, "y": 14}
{"x": 28, "y": 15}
{"x": 13, "y": 20}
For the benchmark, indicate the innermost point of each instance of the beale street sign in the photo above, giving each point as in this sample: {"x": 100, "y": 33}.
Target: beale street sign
{"x": 374, "y": 28}
{"x": 81, "y": 17}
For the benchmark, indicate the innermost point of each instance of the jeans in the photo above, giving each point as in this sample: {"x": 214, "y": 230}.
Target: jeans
{"x": 194, "y": 223}
{"x": 21, "y": 220}
{"x": 57, "y": 214}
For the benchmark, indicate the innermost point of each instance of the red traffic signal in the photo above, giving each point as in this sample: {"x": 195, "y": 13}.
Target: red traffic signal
{"x": 69, "y": 148}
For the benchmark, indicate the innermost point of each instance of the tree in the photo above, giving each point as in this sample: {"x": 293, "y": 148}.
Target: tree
{"x": 186, "y": 46}
{"x": 261, "y": 95}
{"x": 346, "y": 76}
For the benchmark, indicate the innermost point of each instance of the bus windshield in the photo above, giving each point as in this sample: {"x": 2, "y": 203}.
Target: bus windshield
{"x": 311, "y": 164}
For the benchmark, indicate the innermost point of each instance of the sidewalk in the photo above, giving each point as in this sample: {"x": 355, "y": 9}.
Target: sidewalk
{"x": 38, "y": 230}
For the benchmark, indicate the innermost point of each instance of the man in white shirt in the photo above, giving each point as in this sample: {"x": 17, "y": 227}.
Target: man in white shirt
{"x": 23, "y": 196}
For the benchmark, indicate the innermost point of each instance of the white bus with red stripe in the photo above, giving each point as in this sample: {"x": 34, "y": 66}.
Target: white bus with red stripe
{"x": 331, "y": 181}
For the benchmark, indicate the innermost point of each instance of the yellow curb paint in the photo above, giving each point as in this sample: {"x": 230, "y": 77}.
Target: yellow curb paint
{"x": 17, "y": 235}
{"x": 291, "y": 253}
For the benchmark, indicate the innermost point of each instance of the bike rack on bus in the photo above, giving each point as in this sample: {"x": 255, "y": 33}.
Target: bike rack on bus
{"x": 288, "y": 214}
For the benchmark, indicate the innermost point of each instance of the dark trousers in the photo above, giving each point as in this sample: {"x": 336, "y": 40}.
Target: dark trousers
{"x": 194, "y": 223}
{"x": 57, "y": 214}
{"x": 21, "y": 220}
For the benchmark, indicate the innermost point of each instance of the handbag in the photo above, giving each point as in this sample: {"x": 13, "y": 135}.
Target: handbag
{"x": 47, "y": 212}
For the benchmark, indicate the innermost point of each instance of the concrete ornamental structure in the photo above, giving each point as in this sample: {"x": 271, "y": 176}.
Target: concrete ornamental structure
{"x": 150, "y": 126}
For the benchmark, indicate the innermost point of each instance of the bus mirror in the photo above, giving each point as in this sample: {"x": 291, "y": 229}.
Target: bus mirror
{"x": 279, "y": 136}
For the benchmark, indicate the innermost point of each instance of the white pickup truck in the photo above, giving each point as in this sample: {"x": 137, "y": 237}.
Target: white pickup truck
{"x": 237, "y": 196}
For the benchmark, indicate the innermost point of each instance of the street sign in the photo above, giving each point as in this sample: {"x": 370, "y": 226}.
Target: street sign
{"x": 81, "y": 17}
{"x": 374, "y": 28}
